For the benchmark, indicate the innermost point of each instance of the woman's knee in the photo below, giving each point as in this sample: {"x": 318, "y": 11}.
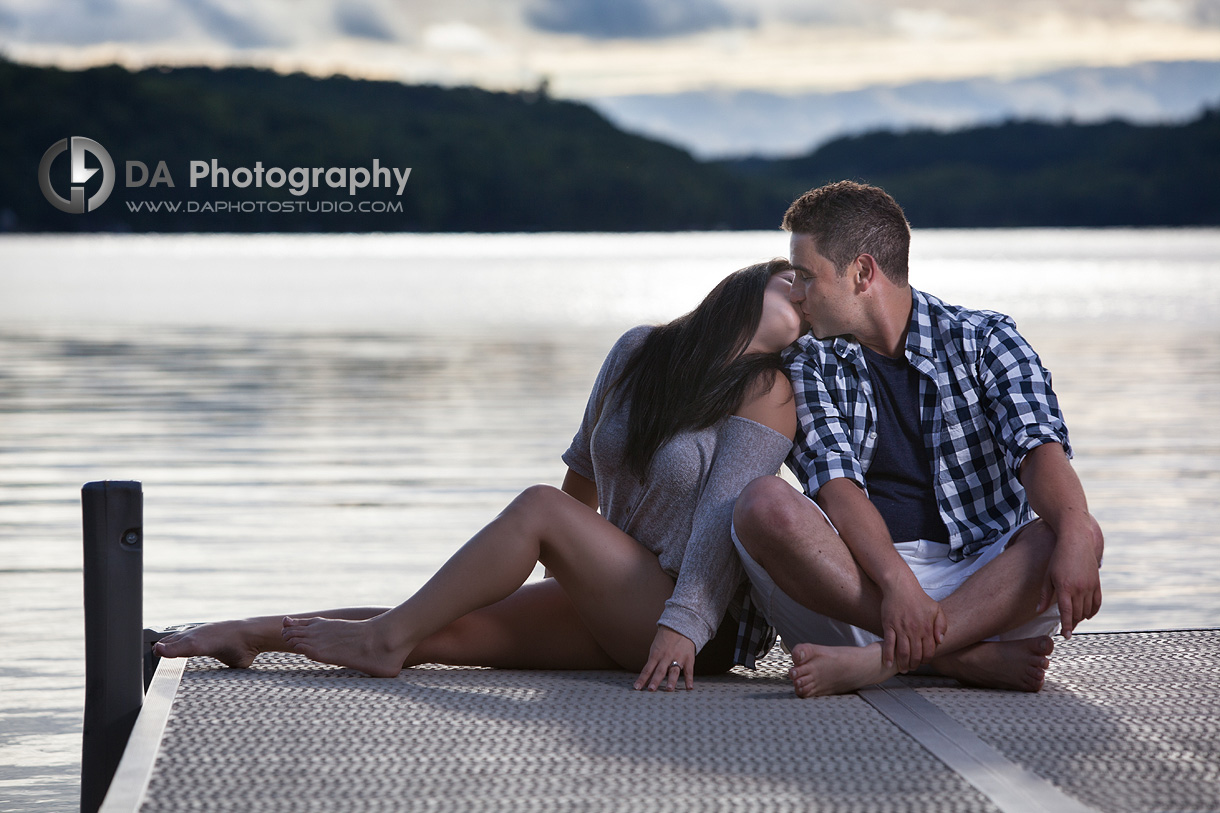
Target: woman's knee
{"x": 553, "y": 519}
{"x": 534, "y": 506}
{"x": 540, "y": 495}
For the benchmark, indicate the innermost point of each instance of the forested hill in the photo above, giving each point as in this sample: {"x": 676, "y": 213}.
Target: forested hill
{"x": 480, "y": 161}
{"x": 484, "y": 161}
{"x": 1026, "y": 173}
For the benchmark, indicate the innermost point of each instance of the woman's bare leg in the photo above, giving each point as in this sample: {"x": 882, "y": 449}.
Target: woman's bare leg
{"x": 616, "y": 587}
{"x": 537, "y": 627}
{"x": 237, "y": 643}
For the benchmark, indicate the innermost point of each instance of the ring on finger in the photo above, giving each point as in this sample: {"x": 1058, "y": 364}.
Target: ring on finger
{"x": 678, "y": 665}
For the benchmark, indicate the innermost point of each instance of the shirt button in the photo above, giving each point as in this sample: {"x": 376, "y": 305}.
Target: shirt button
{"x": 872, "y": 435}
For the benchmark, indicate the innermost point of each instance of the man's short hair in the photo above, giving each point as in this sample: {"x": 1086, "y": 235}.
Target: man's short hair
{"x": 847, "y": 219}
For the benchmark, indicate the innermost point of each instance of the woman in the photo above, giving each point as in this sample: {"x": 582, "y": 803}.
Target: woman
{"x": 681, "y": 418}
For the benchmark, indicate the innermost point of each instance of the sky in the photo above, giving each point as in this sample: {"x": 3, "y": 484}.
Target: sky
{"x": 608, "y": 51}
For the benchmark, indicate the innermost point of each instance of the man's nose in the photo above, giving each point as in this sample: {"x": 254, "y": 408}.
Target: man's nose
{"x": 797, "y": 292}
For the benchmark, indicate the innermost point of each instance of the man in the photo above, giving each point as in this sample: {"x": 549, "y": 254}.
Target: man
{"x": 927, "y": 433}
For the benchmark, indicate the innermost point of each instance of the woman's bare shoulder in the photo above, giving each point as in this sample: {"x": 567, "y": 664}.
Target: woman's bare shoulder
{"x": 771, "y": 403}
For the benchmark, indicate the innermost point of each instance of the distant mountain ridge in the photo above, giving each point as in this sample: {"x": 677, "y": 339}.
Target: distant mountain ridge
{"x": 1026, "y": 173}
{"x": 720, "y": 124}
{"x": 484, "y": 161}
{"x": 481, "y": 161}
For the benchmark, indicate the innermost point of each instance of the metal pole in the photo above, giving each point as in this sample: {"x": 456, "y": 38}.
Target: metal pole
{"x": 113, "y": 513}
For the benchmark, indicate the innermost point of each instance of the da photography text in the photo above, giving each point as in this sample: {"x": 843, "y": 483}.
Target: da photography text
{"x": 299, "y": 180}
{"x": 91, "y": 186}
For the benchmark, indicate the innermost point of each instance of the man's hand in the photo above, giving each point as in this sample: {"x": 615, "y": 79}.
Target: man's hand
{"x": 668, "y": 647}
{"x": 1073, "y": 576}
{"x": 913, "y": 625}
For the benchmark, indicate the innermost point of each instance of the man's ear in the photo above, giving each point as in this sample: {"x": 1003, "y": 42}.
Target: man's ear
{"x": 866, "y": 272}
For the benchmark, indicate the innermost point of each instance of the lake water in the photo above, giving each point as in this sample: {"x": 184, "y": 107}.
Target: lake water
{"x": 321, "y": 420}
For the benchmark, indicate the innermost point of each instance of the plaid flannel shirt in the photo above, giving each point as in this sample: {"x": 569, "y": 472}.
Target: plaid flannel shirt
{"x": 985, "y": 401}
{"x": 755, "y": 636}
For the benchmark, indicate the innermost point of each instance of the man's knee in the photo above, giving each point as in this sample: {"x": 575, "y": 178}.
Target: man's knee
{"x": 769, "y": 512}
{"x": 1099, "y": 540}
{"x": 1037, "y": 535}
{"x": 1041, "y": 535}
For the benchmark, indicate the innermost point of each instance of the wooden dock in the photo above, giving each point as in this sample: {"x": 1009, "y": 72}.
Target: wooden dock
{"x": 1126, "y": 722}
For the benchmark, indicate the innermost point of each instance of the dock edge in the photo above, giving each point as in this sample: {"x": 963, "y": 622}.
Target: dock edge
{"x": 132, "y": 776}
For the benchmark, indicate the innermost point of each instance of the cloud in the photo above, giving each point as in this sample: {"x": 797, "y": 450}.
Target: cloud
{"x": 600, "y": 48}
{"x": 361, "y": 21}
{"x": 229, "y": 28}
{"x": 457, "y": 37}
{"x": 632, "y": 19}
{"x": 84, "y": 22}
{"x": 1185, "y": 12}
{"x": 1207, "y": 12}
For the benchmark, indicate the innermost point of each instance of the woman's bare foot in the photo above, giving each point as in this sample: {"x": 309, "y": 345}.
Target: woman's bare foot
{"x": 360, "y": 645}
{"x": 825, "y": 670}
{"x": 233, "y": 643}
{"x": 1014, "y": 665}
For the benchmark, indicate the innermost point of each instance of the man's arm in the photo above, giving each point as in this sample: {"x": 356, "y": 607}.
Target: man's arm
{"x": 911, "y": 621}
{"x": 1073, "y": 576}
{"x": 825, "y": 461}
{"x": 1028, "y": 424}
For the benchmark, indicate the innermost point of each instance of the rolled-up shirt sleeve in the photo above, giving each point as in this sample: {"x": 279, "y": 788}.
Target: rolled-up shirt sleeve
{"x": 1021, "y": 404}
{"x": 823, "y": 450}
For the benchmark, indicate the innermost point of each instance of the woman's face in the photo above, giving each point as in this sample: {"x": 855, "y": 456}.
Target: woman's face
{"x": 781, "y": 321}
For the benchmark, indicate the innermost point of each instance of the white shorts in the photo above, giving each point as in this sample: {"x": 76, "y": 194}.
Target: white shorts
{"x": 929, "y": 561}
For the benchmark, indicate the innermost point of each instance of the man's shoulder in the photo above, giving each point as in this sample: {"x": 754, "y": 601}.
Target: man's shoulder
{"x": 956, "y": 324}
{"x": 942, "y": 312}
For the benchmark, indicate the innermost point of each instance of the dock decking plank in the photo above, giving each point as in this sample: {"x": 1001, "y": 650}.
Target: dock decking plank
{"x": 1127, "y": 722}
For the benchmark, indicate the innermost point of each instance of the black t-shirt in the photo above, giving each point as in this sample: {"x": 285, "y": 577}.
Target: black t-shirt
{"x": 899, "y": 478}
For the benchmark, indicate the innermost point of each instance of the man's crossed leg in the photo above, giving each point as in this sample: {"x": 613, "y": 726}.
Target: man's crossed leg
{"x": 996, "y": 616}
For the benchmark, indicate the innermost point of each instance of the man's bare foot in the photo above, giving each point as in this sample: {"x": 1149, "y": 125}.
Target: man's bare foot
{"x": 233, "y": 643}
{"x": 1014, "y": 665}
{"x": 359, "y": 645}
{"x": 825, "y": 670}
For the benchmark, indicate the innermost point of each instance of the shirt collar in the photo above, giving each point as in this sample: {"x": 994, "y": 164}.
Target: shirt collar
{"x": 919, "y": 333}
{"x": 846, "y": 348}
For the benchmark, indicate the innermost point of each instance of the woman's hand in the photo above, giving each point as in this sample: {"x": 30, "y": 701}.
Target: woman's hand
{"x": 668, "y": 648}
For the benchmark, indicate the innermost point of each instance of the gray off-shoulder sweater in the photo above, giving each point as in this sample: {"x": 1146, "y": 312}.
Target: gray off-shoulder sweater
{"x": 683, "y": 510}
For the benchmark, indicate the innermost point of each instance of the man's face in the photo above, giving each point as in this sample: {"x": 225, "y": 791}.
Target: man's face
{"x": 826, "y": 298}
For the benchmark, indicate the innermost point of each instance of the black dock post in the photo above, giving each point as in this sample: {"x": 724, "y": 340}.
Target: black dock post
{"x": 114, "y": 635}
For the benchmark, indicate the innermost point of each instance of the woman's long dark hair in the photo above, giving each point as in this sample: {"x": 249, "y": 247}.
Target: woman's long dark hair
{"x": 691, "y": 373}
